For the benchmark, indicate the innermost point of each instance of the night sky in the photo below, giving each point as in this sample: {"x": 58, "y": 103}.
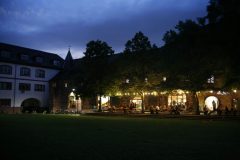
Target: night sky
{"x": 53, "y": 25}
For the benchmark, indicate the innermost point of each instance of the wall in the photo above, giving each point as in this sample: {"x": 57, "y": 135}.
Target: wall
{"x": 17, "y": 96}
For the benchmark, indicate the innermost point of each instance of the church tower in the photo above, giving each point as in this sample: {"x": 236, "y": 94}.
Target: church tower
{"x": 68, "y": 60}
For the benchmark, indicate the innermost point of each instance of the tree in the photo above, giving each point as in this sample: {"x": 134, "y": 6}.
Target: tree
{"x": 188, "y": 26}
{"x": 219, "y": 10}
{"x": 98, "y": 49}
{"x": 170, "y": 36}
{"x": 185, "y": 31}
{"x": 139, "y": 43}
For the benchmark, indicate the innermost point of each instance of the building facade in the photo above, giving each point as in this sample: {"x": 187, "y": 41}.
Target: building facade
{"x": 213, "y": 97}
{"x": 24, "y": 77}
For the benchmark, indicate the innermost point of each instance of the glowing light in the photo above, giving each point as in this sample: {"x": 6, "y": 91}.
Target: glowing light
{"x": 164, "y": 79}
{"x": 210, "y": 102}
{"x": 71, "y": 94}
{"x": 235, "y": 91}
{"x": 73, "y": 89}
{"x": 146, "y": 79}
{"x": 105, "y": 100}
{"x": 154, "y": 93}
{"x": 119, "y": 94}
{"x": 211, "y": 91}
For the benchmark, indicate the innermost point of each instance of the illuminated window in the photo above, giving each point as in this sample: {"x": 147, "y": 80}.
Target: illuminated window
{"x": 24, "y": 86}
{"x": 211, "y": 79}
{"x": 5, "y": 86}
{"x": 39, "y": 87}
{"x": 25, "y": 71}
{"x": 65, "y": 85}
{"x": 5, "y": 69}
{"x": 40, "y": 73}
{"x": 178, "y": 97}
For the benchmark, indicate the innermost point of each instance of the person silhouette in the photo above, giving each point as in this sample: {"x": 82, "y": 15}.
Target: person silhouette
{"x": 214, "y": 105}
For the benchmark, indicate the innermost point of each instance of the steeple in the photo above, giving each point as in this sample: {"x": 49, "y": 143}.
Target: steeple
{"x": 68, "y": 60}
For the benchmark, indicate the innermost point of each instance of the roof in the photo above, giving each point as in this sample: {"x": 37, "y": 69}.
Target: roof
{"x": 13, "y": 54}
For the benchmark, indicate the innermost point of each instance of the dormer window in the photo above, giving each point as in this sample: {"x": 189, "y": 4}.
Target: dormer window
{"x": 24, "y": 57}
{"x": 211, "y": 80}
{"x": 5, "y": 54}
{"x": 39, "y": 59}
{"x": 56, "y": 62}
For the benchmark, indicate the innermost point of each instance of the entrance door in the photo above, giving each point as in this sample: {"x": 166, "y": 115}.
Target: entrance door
{"x": 138, "y": 103}
{"x": 30, "y": 105}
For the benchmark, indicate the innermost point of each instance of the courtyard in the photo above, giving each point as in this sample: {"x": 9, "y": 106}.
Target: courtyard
{"x": 37, "y": 136}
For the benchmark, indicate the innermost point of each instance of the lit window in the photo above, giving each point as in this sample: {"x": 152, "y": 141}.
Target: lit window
{"x": 39, "y": 87}
{"x": 24, "y": 86}
{"x": 211, "y": 79}
{"x": 5, "y": 69}
{"x": 25, "y": 71}
{"x": 5, "y": 86}
{"x": 177, "y": 99}
{"x": 40, "y": 73}
{"x": 65, "y": 85}
{"x": 24, "y": 57}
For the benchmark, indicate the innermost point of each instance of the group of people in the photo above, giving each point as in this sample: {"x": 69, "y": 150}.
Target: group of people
{"x": 219, "y": 110}
{"x": 155, "y": 109}
{"x": 174, "y": 109}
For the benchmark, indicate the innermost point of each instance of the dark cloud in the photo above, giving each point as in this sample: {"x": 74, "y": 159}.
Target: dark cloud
{"x": 53, "y": 25}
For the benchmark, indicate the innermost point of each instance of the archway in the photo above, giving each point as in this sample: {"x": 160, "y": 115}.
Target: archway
{"x": 30, "y": 105}
{"x": 74, "y": 103}
{"x": 212, "y": 103}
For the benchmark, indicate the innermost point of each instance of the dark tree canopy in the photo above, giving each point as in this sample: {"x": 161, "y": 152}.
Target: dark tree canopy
{"x": 184, "y": 29}
{"x": 219, "y": 10}
{"x": 98, "y": 49}
{"x": 170, "y": 36}
{"x": 138, "y": 43}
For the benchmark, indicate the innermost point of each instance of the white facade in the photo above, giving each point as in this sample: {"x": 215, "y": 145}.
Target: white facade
{"x": 18, "y": 95}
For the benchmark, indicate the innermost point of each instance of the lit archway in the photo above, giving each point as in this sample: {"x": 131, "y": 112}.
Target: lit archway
{"x": 211, "y": 103}
{"x": 74, "y": 103}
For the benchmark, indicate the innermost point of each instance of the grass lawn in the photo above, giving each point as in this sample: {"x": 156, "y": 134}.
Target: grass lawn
{"x": 66, "y": 137}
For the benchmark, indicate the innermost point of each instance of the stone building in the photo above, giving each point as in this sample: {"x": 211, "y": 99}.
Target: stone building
{"x": 24, "y": 77}
{"x": 212, "y": 97}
